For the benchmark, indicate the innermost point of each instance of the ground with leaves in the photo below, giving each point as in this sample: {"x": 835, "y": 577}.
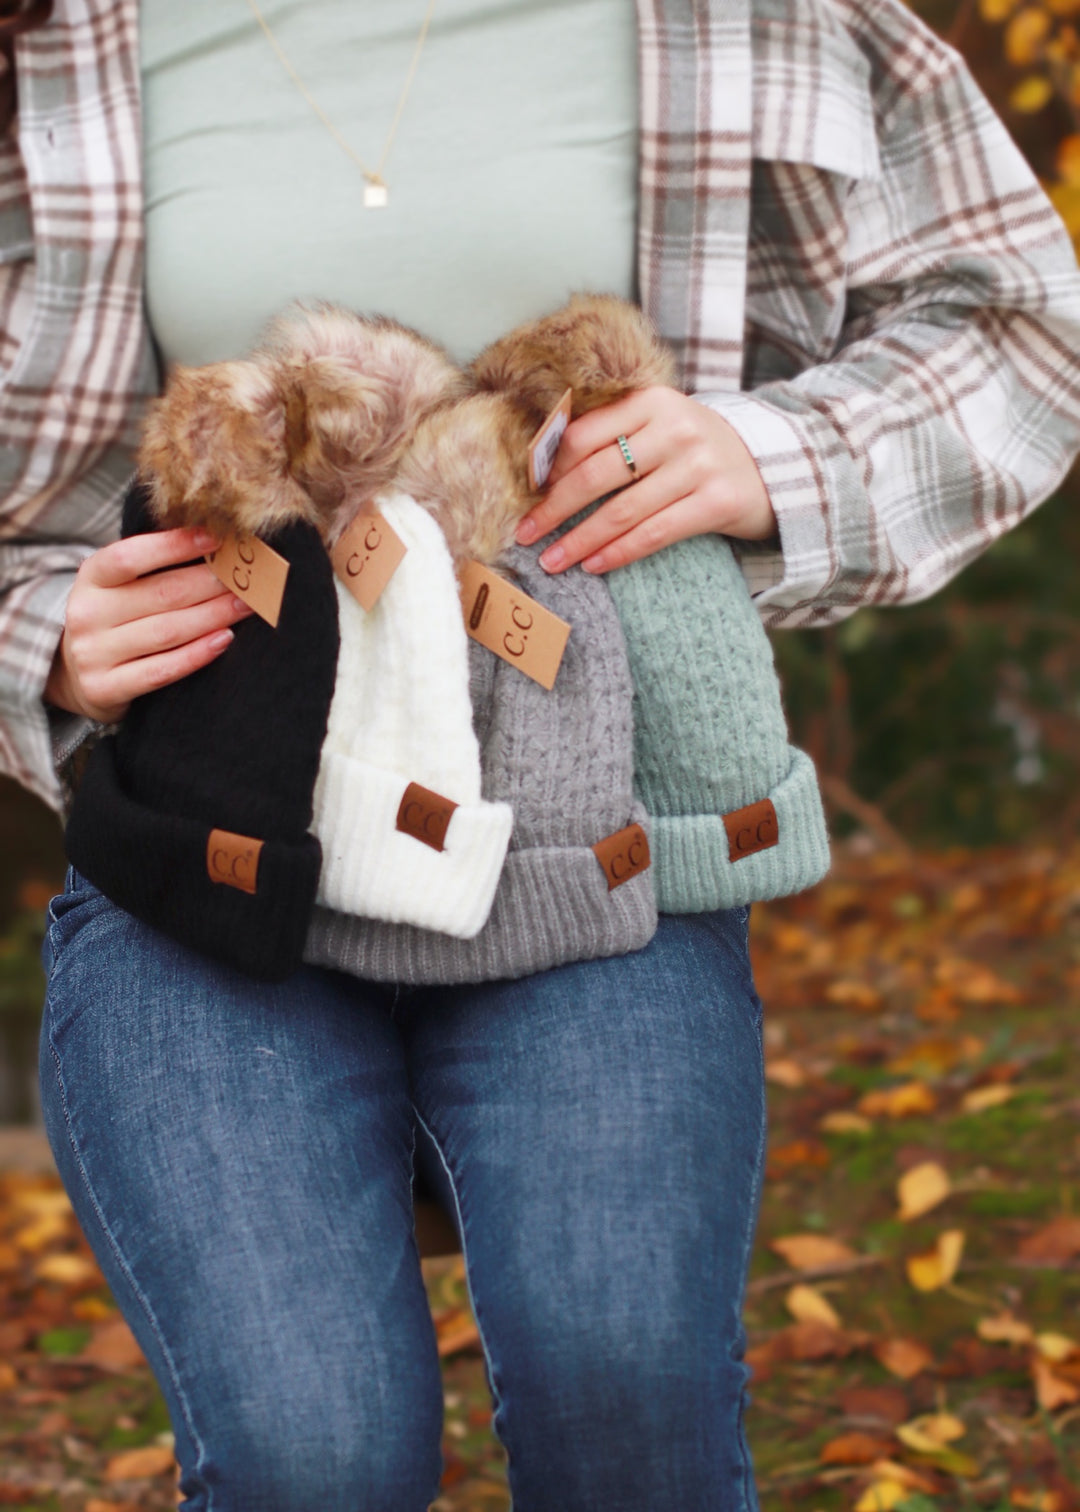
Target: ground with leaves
{"x": 914, "y": 1313}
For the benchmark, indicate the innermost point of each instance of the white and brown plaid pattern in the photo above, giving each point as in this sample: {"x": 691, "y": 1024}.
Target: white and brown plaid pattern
{"x": 837, "y": 235}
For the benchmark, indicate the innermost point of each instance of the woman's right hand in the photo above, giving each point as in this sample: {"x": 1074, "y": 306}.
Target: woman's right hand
{"x": 126, "y": 633}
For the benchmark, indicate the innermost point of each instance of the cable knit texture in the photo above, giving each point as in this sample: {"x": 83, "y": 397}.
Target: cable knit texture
{"x": 709, "y": 731}
{"x": 232, "y": 747}
{"x": 401, "y": 714}
{"x": 563, "y": 760}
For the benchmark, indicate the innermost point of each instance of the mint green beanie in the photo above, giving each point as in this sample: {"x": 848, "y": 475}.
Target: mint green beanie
{"x": 711, "y": 749}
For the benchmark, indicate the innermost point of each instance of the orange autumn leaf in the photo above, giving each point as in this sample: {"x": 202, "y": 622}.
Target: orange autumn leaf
{"x": 785, "y": 1073}
{"x": 140, "y": 1464}
{"x": 970, "y": 981}
{"x": 812, "y": 1251}
{"x": 842, "y": 1122}
{"x": 457, "y": 1332}
{"x": 994, "y": 12}
{"x": 1051, "y": 1390}
{"x": 1054, "y": 1244}
{"x": 853, "y": 1449}
{"x": 935, "y": 1268}
{"x": 1068, "y": 159}
{"x": 1038, "y": 1501}
{"x": 847, "y": 993}
{"x": 1032, "y": 94}
{"x": 982, "y": 1099}
{"x": 806, "y": 1304}
{"x": 66, "y": 1270}
{"x": 906, "y": 1101}
{"x": 930, "y": 1432}
{"x": 1055, "y": 1347}
{"x": 8, "y": 1379}
{"x": 113, "y": 1347}
{"x": 1004, "y": 1329}
{"x": 799, "y": 1152}
{"x": 922, "y": 1188}
{"x": 903, "y": 1358}
{"x": 1025, "y": 35}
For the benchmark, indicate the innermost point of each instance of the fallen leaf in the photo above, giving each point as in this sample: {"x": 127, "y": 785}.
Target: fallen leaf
{"x": 785, "y": 1073}
{"x": 812, "y": 1339}
{"x": 842, "y": 1122}
{"x": 140, "y": 1464}
{"x": 972, "y": 982}
{"x": 66, "y": 1270}
{"x": 1025, "y": 35}
{"x": 113, "y": 1347}
{"x": 457, "y": 1333}
{"x": 853, "y": 1449}
{"x": 798, "y": 1152}
{"x": 812, "y": 1251}
{"x": 1051, "y": 1391}
{"x": 1004, "y": 1329}
{"x": 849, "y": 993}
{"x": 930, "y": 1432}
{"x": 907, "y": 1475}
{"x": 36, "y": 1236}
{"x": 43, "y": 1201}
{"x": 1056, "y": 1244}
{"x": 1055, "y": 1347}
{"x": 1038, "y": 1501}
{"x": 936, "y": 1268}
{"x": 875, "y": 1404}
{"x": 982, "y": 1099}
{"x": 922, "y": 1188}
{"x": 906, "y": 1101}
{"x": 10, "y": 1259}
{"x": 903, "y": 1358}
{"x": 8, "y": 1379}
{"x": 806, "y": 1304}
{"x": 92, "y": 1310}
{"x": 882, "y": 1496}
{"x": 1031, "y": 94}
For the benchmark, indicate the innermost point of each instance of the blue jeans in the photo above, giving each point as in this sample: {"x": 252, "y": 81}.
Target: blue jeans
{"x": 241, "y": 1159}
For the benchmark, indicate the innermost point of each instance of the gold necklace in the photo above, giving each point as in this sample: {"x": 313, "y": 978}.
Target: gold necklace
{"x": 376, "y": 191}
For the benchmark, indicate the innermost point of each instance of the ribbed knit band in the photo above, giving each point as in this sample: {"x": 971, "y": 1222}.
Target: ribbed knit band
{"x": 552, "y": 906}
{"x": 154, "y": 865}
{"x": 695, "y": 874}
{"x": 372, "y": 869}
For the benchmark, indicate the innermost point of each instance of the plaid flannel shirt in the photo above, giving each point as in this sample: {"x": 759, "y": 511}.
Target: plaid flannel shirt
{"x": 839, "y": 238}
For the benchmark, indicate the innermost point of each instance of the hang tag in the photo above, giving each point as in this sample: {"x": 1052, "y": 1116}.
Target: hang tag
{"x": 233, "y": 860}
{"x": 367, "y": 556}
{"x": 425, "y": 815}
{"x": 623, "y": 855}
{"x": 545, "y": 443}
{"x": 752, "y": 829}
{"x": 513, "y": 625}
{"x": 254, "y": 571}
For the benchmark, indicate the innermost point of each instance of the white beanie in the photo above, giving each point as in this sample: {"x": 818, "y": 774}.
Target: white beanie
{"x": 401, "y": 715}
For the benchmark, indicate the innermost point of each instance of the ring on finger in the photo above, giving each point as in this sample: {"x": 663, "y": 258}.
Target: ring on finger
{"x": 627, "y": 455}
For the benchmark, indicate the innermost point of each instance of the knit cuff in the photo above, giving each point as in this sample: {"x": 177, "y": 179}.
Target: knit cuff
{"x": 374, "y": 870}
{"x": 154, "y": 864}
{"x": 552, "y": 906}
{"x": 694, "y": 872}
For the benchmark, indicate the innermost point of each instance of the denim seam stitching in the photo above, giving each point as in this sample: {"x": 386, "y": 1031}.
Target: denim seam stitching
{"x": 496, "y": 1393}
{"x": 126, "y": 1269}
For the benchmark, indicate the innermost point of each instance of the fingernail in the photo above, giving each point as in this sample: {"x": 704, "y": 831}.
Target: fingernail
{"x": 220, "y": 639}
{"x": 594, "y": 563}
{"x": 204, "y": 541}
{"x": 239, "y": 607}
{"x": 553, "y": 559}
{"x": 527, "y": 532}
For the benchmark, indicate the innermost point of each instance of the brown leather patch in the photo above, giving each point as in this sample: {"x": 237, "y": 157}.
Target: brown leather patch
{"x": 751, "y": 829}
{"x": 623, "y": 855}
{"x": 233, "y": 860}
{"x": 425, "y": 815}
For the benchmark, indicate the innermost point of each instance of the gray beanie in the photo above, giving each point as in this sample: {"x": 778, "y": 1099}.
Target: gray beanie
{"x": 563, "y": 760}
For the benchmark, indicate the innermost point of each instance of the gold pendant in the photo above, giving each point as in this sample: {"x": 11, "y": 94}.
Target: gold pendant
{"x": 376, "y": 195}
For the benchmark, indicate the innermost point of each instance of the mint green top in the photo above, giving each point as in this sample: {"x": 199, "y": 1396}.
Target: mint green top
{"x": 512, "y": 177}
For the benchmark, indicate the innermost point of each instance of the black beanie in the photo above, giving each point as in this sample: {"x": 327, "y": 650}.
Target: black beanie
{"x": 232, "y": 749}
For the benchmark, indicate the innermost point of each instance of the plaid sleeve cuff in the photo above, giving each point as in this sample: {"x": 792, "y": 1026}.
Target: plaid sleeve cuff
{"x": 35, "y": 741}
{"x": 800, "y": 465}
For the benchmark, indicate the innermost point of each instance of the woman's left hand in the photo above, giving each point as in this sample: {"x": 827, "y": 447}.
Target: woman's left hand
{"x": 694, "y": 476}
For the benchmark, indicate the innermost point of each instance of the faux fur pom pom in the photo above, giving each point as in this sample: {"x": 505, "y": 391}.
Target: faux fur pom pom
{"x": 213, "y": 452}
{"x": 599, "y": 345}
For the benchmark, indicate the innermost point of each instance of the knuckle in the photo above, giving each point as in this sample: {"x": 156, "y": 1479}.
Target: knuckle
{"x": 653, "y": 533}
{"x": 592, "y": 475}
{"x": 621, "y": 513}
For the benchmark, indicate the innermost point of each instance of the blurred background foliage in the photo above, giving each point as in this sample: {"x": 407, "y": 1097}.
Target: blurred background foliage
{"x": 957, "y": 721}
{"x": 952, "y": 722}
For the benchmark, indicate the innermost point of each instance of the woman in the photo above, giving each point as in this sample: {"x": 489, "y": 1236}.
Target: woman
{"x": 830, "y": 220}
